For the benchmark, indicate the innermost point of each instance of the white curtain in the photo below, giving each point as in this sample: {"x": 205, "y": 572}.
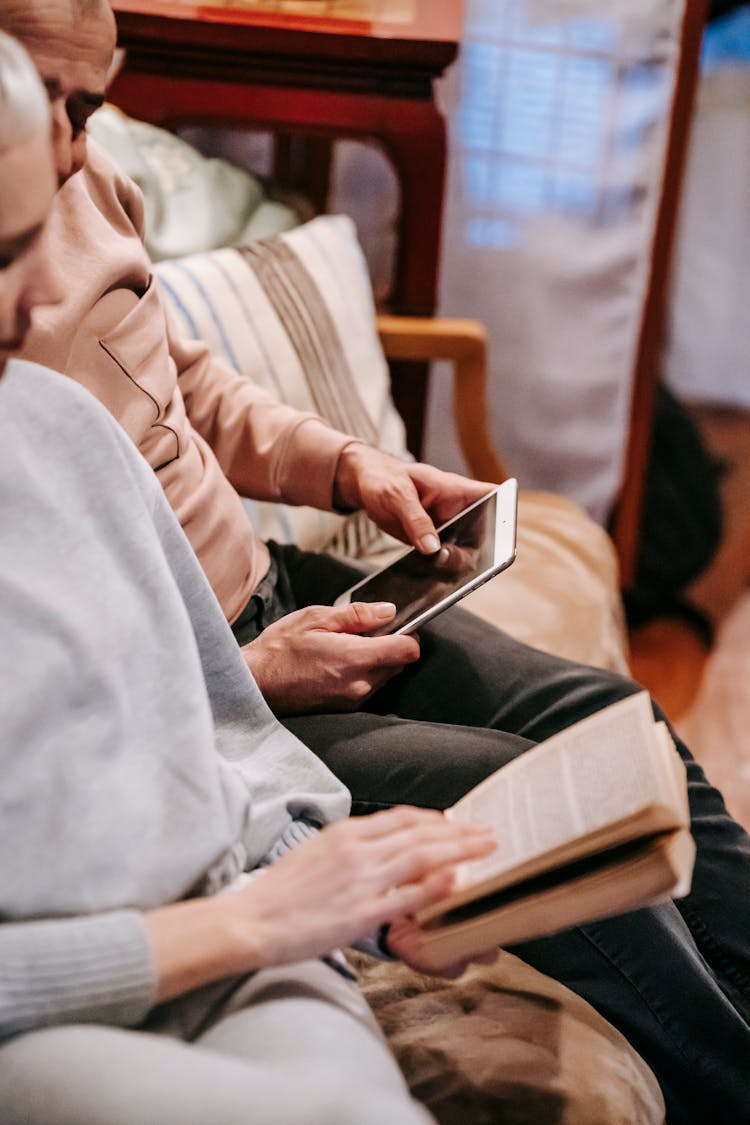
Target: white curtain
{"x": 558, "y": 114}
{"x": 708, "y": 349}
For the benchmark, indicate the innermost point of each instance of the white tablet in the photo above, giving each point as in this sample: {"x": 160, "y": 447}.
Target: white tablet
{"x": 476, "y": 545}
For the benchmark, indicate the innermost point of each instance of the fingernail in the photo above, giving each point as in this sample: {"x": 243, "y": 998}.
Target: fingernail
{"x": 384, "y": 610}
{"x": 429, "y": 544}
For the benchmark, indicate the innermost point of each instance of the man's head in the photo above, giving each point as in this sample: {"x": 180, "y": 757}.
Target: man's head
{"x": 71, "y": 43}
{"x": 27, "y": 187}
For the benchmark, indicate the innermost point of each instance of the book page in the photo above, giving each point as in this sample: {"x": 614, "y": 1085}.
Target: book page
{"x": 675, "y": 772}
{"x": 600, "y": 771}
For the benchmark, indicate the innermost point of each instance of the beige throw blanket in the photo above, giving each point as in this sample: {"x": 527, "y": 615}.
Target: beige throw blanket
{"x": 505, "y": 1044}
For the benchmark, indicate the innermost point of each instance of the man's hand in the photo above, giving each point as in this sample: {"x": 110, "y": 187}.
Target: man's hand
{"x": 405, "y": 499}
{"x": 314, "y": 659}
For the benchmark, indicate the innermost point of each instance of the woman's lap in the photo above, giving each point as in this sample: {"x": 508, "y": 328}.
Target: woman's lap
{"x": 293, "y": 1045}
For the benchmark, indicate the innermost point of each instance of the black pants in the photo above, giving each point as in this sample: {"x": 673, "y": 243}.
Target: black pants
{"x": 675, "y": 979}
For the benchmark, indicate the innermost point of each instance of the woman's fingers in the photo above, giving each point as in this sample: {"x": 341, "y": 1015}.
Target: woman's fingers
{"x": 406, "y": 859}
{"x": 383, "y": 824}
{"x": 432, "y": 851}
{"x": 409, "y": 898}
{"x": 403, "y": 845}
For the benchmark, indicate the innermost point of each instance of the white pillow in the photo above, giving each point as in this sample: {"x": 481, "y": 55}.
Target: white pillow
{"x": 295, "y": 313}
{"x": 192, "y": 202}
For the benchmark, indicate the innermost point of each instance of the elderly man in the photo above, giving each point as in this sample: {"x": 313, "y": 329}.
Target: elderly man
{"x": 675, "y": 978}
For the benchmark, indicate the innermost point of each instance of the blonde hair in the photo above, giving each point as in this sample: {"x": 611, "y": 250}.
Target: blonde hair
{"x": 24, "y": 108}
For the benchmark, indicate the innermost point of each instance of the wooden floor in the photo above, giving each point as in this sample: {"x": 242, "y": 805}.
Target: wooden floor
{"x": 707, "y": 693}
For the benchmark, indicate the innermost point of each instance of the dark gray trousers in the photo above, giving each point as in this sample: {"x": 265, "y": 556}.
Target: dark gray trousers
{"x": 674, "y": 979}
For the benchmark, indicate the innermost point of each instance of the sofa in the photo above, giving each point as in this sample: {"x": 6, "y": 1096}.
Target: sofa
{"x": 504, "y": 1043}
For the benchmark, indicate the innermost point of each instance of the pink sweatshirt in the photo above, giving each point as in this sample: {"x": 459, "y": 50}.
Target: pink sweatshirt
{"x": 208, "y": 432}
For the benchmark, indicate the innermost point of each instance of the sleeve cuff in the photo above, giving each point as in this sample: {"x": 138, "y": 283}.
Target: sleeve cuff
{"x": 310, "y": 462}
{"x": 297, "y": 832}
{"x": 96, "y": 969}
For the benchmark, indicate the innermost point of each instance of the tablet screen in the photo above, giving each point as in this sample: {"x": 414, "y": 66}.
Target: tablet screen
{"x": 475, "y": 545}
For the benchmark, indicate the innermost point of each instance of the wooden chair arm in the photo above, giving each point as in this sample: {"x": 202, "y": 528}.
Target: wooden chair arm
{"x": 464, "y": 343}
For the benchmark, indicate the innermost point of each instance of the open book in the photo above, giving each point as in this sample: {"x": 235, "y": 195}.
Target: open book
{"x": 593, "y": 822}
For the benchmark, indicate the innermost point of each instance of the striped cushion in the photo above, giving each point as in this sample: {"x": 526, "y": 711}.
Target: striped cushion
{"x": 295, "y": 313}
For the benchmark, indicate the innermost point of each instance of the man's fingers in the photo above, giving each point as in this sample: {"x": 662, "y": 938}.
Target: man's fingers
{"x": 418, "y": 527}
{"x": 399, "y": 503}
{"x": 354, "y": 617}
{"x": 361, "y": 617}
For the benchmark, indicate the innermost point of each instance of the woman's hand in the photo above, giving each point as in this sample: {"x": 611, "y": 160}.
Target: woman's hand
{"x": 405, "y": 941}
{"x": 342, "y": 885}
{"x": 353, "y": 877}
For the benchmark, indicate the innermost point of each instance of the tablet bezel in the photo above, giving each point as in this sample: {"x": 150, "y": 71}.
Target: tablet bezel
{"x": 504, "y": 553}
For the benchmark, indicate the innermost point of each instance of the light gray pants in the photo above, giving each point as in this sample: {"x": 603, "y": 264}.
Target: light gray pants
{"x": 291, "y": 1046}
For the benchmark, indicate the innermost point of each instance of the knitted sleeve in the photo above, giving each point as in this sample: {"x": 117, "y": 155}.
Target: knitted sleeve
{"x": 94, "y": 969}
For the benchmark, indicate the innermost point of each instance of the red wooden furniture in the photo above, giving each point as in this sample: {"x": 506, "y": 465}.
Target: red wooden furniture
{"x": 365, "y": 69}
{"x": 626, "y": 521}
